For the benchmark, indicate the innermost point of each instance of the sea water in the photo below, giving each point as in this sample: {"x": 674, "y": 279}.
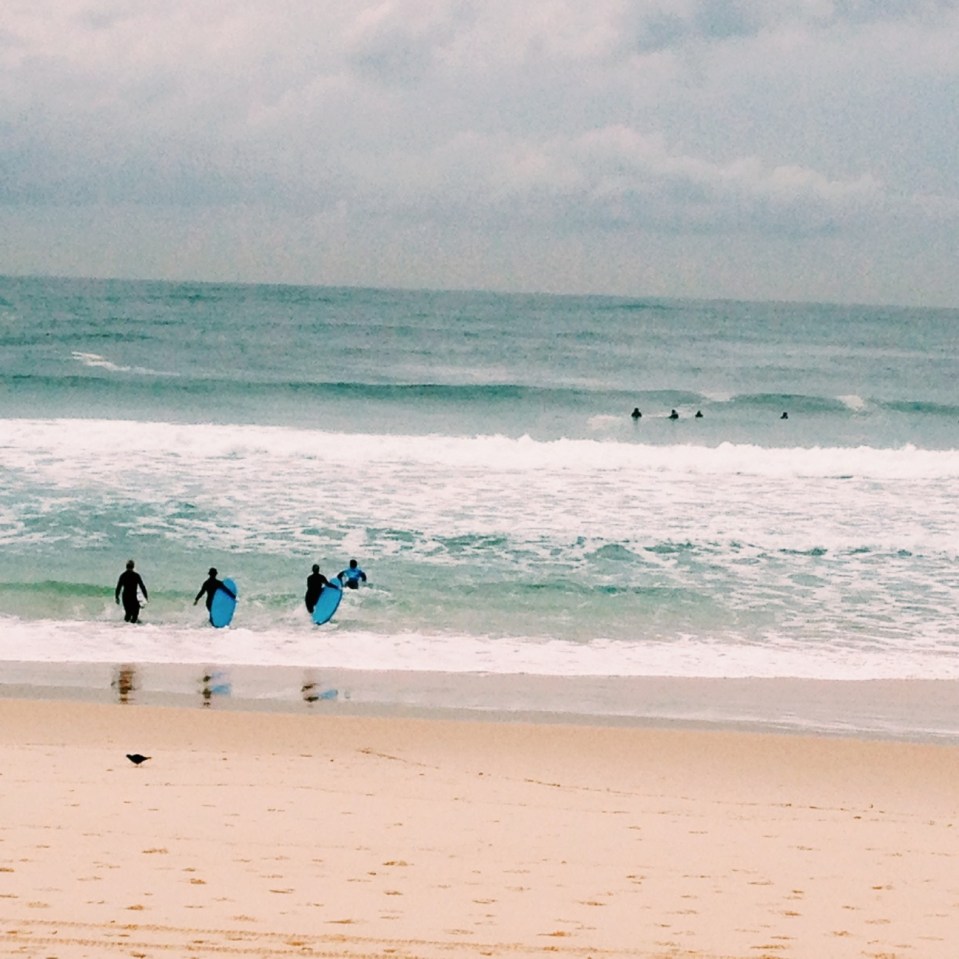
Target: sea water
{"x": 476, "y": 454}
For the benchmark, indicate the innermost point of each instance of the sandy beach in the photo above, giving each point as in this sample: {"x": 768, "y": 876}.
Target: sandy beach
{"x": 270, "y": 834}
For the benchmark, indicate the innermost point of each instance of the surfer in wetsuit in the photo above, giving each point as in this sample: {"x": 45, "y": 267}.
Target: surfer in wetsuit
{"x": 210, "y": 587}
{"x": 314, "y": 586}
{"x": 127, "y": 586}
{"x": 352, "y": 576}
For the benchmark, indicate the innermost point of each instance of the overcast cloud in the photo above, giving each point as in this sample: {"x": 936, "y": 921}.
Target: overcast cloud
{"x": 784, "y": 149}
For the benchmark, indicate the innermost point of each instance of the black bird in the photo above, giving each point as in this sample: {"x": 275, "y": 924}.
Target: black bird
{"x": 137, "y": 758}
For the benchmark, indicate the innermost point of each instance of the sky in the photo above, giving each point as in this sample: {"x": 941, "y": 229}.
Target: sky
{"x": 744, "y": 149}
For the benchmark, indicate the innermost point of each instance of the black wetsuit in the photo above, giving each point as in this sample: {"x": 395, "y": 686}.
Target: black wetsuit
{"x": 314, "y": 586}
{"x": 127, "y": 586}
{"x": 210, "y": 587}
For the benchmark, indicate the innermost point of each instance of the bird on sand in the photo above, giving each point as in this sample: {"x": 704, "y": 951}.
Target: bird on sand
{"x": 137, "y": 758}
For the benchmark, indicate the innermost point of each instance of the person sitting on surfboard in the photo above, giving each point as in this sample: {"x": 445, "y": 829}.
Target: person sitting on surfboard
{"x": 314, "y": 586}
{"x": 210, "y": 587}
{"x": 352, "y": 576}
{"x": 127, "y": 585}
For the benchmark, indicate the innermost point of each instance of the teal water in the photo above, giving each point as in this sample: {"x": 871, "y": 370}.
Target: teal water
{"x": 476, "y": 453}
{"x": 462, "y": 363}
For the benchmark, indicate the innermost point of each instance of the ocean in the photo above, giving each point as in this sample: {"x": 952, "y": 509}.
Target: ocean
{"x": 529, "y": 545}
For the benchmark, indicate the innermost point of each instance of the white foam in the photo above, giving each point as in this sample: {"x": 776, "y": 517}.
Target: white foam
{"x": 69, "y": 439}
{"x": 855, "y": 403}
{"x": 96, "y": 361}
{"x": 604, "y": 423}
{"x": 417, "y": 651}
{"x": 246, "y": 484}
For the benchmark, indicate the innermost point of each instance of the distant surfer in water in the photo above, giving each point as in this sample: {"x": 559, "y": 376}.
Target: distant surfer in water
{"x": 353, "y": 575}
{"x": 127, "y": 586}
{"x": 210, "y": 587}
{"x": 314, "y": 586}
{"x": 673, "y": 415}
{"x": 636, "y": 415}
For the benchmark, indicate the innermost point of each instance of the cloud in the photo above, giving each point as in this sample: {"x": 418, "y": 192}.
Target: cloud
{"x": 619, "y": 179}
{"x": 553, "y": 119}
{"x": 396, "y": 43}
{"x": 679, "y": 23}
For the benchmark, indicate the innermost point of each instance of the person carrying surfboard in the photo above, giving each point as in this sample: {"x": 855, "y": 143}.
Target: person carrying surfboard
{"x": 314, "y": 586}
{"x": 127, "y": 586}
{"x": 352, "y": 576}
{"x": 210, "y": 587}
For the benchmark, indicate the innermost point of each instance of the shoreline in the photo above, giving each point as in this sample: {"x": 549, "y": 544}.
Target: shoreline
{"x": 251, "y": 833}
{"x": 921, "y": 711}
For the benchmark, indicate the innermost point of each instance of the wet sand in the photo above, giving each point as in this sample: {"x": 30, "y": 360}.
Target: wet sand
{"x": 913, "y": 709}
{"x": 279, "y": 834}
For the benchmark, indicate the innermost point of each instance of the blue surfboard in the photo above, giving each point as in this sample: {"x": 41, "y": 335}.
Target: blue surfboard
{"x": 223, "y": 605}
{"x": 329, "y": 599}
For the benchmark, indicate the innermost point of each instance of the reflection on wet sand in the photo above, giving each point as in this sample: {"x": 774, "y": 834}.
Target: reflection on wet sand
{"x": 218, "y": 685}
{"x": 214, "y": 684}
{"x": 312, "y": 691}
{"x": 126, "y": 682}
